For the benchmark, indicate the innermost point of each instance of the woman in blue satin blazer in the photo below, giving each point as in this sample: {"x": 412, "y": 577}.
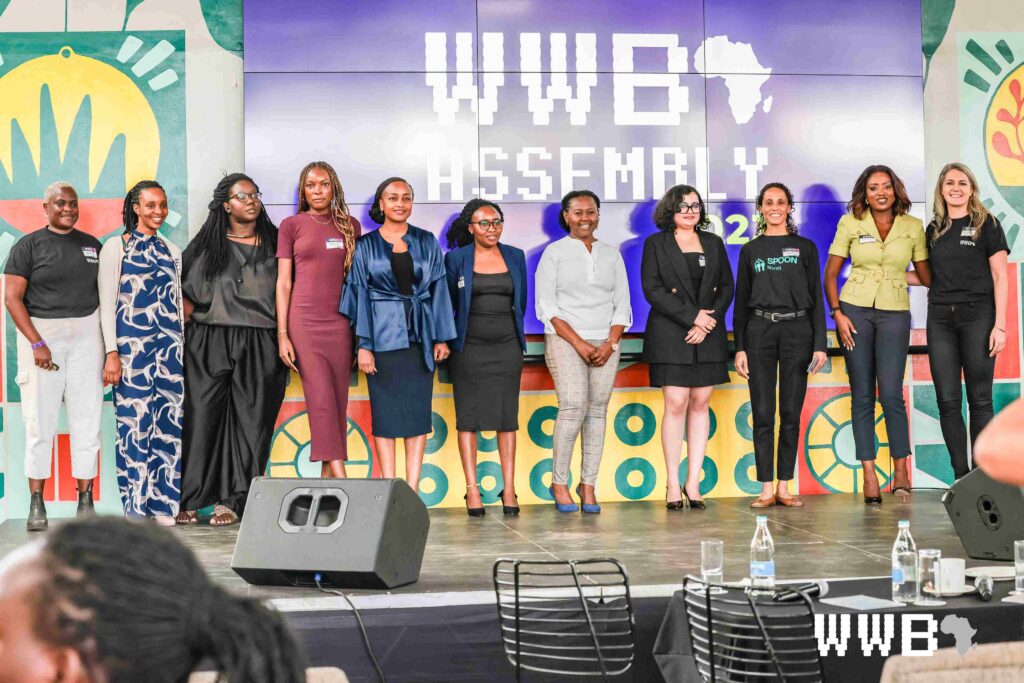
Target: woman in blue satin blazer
{"x": 487, "y": 283}
{"x": 396, "y": 300}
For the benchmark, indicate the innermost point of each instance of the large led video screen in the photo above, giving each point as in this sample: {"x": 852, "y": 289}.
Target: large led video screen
{"x": 520, "y": 101}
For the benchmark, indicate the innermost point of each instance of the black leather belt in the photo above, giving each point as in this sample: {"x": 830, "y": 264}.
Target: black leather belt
{"x": 778, "y": 317}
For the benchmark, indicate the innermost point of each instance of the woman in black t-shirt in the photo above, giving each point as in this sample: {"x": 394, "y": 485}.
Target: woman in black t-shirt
{"x": 966, "y": 306}
{"x": 779, "y": 328}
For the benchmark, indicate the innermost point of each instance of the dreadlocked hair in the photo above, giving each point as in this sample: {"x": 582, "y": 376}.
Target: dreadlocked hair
{"x": 458, "y": 234}
{"x": 128, "y": 215}
{"x": 339, "y": 209}
{"x": 151, "y": 614}
{"x": 212, "y": 242}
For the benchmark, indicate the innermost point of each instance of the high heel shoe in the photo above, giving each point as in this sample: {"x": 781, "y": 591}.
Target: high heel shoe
{"x": 589, "y": 508}
{"x": 508, "y": 510}
{"x": 693, "y": 504}
{"x": 566, "y": 507}
{"x": 473, "y": 512}
{"x": 673, "y": 504}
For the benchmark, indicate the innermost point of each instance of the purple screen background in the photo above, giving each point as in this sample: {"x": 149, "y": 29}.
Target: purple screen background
{"x": 347, "y": 82}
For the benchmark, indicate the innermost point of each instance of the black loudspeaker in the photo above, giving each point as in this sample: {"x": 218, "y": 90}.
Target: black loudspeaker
{"x": 355, "y": 533}
{"x": 988, "y": 516}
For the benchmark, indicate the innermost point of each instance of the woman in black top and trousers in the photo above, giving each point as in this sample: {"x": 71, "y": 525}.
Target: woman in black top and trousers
{"x": 686, "y": 278}
{"x": 966, "y": 307}
{"x": 779, "y": 326}
{"x": 234, "y": 379}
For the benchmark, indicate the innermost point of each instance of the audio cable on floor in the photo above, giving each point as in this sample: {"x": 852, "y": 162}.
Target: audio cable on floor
{"x": 359, "y": 620}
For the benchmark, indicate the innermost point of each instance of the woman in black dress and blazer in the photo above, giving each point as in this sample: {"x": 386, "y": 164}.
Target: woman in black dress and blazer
{"x": 487, "y": 284}
{"x": 687, "y": 279}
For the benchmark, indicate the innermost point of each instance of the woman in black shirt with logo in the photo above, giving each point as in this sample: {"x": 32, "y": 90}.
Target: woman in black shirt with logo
{"x": 966, "y": 306}
{"x": 779, "y": 327}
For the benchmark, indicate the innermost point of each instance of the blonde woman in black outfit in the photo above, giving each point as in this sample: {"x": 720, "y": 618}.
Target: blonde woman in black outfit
{"x": 779, "y": 324}
{"x": 966, "y": 307}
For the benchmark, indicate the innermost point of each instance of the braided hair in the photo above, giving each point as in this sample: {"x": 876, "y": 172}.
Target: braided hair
{"x": 759, "y": 219}
{"x": 339, "y": 209}
{"x": 212, "y": 241}
{"x": 128, "y": 215}
{"x": 458, "y": 232}
{"x": 150, "y": 614}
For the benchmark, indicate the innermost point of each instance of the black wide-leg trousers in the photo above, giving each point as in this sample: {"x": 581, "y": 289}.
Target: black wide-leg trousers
{"x": 234, "y": 385}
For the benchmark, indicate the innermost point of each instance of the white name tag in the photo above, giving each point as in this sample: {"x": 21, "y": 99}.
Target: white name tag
{"x": 462, "y": 282}
{"x": 867, "y": 239}
{"x": 701, "y": 260}
{"x": 335, "y": 243}
{"x": 792, "y": 252}
{"x": 89, "y": 253}
{"x": 967, "y": 232}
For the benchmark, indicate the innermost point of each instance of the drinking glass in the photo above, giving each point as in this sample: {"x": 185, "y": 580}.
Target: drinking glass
{"x": 712, "y": 561}
{"x": 930, "y": 571}
{"x": 1018, "y": 567}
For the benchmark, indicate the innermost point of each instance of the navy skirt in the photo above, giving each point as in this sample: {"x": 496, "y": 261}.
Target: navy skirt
{"x": 400, "y": 393}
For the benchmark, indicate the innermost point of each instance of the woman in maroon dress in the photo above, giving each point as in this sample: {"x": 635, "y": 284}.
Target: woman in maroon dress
{"x": 314, "y": 252}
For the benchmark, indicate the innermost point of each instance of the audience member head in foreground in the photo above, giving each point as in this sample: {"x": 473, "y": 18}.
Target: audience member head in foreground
{"x": 103, "y": 600}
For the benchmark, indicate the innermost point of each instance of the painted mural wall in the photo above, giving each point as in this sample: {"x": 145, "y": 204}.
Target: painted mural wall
{"x": 105, "y": 92}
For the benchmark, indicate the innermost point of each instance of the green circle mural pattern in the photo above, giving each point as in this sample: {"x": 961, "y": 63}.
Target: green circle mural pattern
{"x": 709, "y": 474}
{"x": 289, "y": 454}
{"x": 537, "y": 479}
{"x": 436, "y": 474}
{"x": 744, "y": 482}
{"x": 646, "y": 485}
{"x": 489, "y": 494}
{"x": 438, "y": 436}
{"x": 744, "y": 422}
{"x": 486, "y": 444}
{"x": 832, "y": 461}
{"x": 626, "y": 433}
{"x": 535, "y": 427}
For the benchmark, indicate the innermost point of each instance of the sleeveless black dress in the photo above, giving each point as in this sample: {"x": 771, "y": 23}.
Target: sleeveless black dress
{"x": 486, "y": 373}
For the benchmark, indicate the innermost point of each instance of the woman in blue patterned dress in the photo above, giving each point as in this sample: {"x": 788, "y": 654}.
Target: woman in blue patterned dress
{"x": 141, "y": 317}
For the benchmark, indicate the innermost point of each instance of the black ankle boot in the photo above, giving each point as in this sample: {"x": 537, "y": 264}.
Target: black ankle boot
{"x": 37, "y": 513}
{"x": 85, "y": 506}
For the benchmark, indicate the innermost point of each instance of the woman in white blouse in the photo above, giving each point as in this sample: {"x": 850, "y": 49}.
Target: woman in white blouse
{"x": 583, "y": 300}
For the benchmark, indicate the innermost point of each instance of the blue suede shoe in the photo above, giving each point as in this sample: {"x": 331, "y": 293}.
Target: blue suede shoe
{"x": 587, "y": 507}
{"x": 571, "y": 507}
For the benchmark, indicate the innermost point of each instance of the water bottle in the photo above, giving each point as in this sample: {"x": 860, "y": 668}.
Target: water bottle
{"x": 762, "y": 556}
{"x": 905, "y": 582}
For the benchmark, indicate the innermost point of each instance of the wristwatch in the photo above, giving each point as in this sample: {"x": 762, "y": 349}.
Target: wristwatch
{"x": 832, "y": 312}
{"x": 615, "y": 344}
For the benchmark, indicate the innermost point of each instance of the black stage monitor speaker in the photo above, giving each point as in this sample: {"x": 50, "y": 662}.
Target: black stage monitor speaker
{"x": 355, "y": 533}
{"x": 988, "y": 516}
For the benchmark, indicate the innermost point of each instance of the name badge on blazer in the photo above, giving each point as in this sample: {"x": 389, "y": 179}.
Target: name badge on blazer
{"x": 701, "y": 260}
{"x": 462, "y": 281}
{"x": 867, "y": 239}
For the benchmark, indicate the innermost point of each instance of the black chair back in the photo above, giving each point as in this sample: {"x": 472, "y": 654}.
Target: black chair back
{"x": 569, "y": 618}
{"x": 740, "y": 634}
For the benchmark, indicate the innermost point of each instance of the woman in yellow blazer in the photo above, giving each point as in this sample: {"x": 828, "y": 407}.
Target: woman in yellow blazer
{"x": 873, "y": 313}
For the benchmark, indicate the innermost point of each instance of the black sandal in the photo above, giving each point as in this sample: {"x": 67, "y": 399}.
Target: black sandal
{"x": 473, "y": 512}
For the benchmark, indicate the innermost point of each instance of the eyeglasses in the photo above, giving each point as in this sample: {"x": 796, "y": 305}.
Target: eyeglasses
{"x": 244, "y": 196}
{"x": 689, "y": 208}
{"x": 488, "y": 226}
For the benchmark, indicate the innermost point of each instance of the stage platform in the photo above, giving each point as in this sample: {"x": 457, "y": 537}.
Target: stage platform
{"x": 447, "y": 621}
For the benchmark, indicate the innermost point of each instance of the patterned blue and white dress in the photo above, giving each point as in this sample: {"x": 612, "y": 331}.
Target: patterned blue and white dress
{"x": 148, "y": 399}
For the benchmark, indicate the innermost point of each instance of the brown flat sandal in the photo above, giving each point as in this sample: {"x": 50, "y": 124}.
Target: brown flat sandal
{"x": 223, "y": 516}
{"x": 762, "y": 502}
{"x": 187, "y": 517}
{"x": 789, "y": 501}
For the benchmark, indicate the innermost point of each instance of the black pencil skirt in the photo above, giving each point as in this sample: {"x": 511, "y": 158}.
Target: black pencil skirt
{"x": 400, "y": 393}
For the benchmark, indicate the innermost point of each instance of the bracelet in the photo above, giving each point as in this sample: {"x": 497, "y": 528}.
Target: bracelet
{"x": 281, "y": 332}
{"x": 38, "y": 345}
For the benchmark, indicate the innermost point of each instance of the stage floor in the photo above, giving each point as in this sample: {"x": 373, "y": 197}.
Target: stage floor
{"x": 832, "y": 536}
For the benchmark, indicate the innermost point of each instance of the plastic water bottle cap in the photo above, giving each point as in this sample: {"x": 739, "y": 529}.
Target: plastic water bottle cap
{"x": 762, "y": 518}
{"x": 904, "y": 523}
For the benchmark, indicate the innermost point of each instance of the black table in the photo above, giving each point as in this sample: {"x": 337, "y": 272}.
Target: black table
{"x": 994, "y": 622}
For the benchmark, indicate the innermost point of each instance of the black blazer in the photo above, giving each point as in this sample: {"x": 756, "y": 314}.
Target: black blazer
{"x": 459, "y": 266}
{"x": 668, "y": 287}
